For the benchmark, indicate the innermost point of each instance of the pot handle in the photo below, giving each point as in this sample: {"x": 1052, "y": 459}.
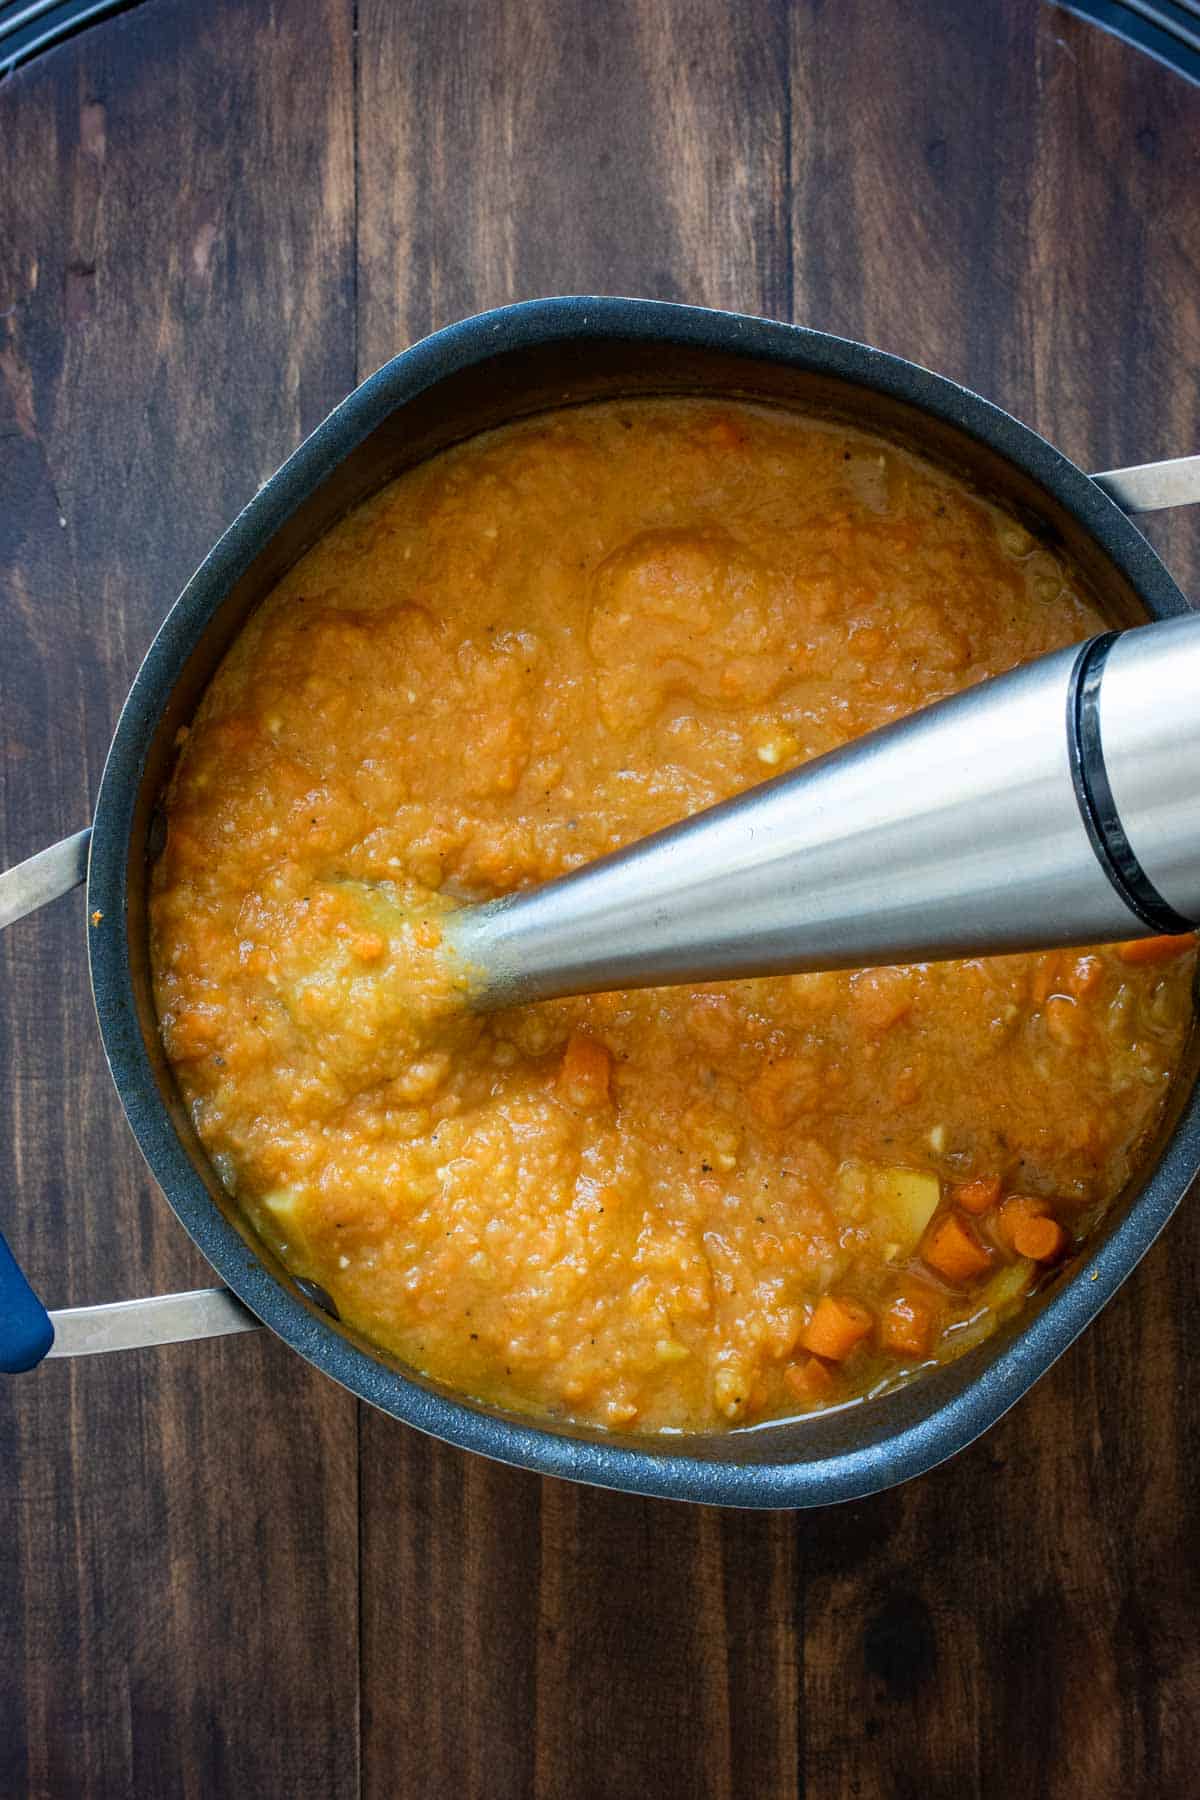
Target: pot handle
{"x": 1151, "y": 487}
{"x": 27, "y": 1331}
{"x": 44, "y": 877}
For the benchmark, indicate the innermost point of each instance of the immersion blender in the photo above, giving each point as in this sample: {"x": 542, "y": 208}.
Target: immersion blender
{"x": 1055, "y": 805}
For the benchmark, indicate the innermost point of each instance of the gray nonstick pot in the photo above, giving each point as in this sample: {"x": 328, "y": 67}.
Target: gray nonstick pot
{"x": 469, "y": 378}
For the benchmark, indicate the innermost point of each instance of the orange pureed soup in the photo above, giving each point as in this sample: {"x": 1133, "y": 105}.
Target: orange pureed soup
{"x": 678, "y": 1209}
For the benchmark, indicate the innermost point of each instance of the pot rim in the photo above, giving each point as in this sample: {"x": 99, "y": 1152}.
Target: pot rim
{"x": 636, "y": 1466}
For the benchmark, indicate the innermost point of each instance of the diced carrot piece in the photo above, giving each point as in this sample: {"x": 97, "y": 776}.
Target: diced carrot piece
{"x": 1156, "y": 949}
{"x": 837, "y": 1325}
{"x": 1017, "y": 1210}
{"x": 952, "y": 1250}
{"x": 977, "y": 1196}
{"x": 906, "y": 1326}
{"x": 1040, "y": 1239}
{"x": 584, "y": 1073}
{"x": 812, "y": 1380}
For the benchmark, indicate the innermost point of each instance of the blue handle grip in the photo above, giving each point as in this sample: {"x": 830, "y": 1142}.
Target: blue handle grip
{"x": 25, "y": 1329}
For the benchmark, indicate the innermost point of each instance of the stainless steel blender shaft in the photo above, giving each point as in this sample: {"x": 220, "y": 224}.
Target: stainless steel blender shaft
{"x": 1056, "y": 805}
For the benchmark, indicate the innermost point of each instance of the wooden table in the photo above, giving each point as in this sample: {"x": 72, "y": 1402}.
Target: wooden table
{"x": 219, "y": 1575}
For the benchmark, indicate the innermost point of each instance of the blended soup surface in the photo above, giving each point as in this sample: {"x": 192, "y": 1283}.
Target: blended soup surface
{"x": 677, "y": 1209}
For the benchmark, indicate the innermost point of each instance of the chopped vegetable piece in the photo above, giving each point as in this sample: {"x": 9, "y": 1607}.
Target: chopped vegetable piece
{"x": 910, "y": 1197}
{"x": 1040, "y": 1239}
{"x": 1156, "y": 949}
{"x": 282, "y": 1203}
{"x": 952, "y": 1250}
{"x": 977, "y": 1196}
{"x": 583, "y": 1076}
{"x": 837, "y": 1325}
{"x": 1008, "y": 1285}
{"x": 811, "y": 1379}
{"x": 906, "y": 1326}
{"x": 1016, "y": 1210}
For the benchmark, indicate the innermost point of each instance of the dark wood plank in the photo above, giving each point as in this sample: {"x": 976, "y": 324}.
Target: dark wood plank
{"x": 999, "y": 1600}
{"x": 178, "y": 1568}
{"x": 508, "y": 152}
{"x": 998, "y": 190}
{"x": 503, "y": 153}
{"x": 1015, "y": 205}
{"x": 977, "y": 190}
{"x": 1007, "y": 194}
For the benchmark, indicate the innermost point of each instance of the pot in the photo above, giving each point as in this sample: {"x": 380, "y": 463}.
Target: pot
{"x": 469, "y": 378}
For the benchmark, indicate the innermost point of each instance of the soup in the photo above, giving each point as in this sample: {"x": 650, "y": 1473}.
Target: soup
{"x": 681, "y": 1209}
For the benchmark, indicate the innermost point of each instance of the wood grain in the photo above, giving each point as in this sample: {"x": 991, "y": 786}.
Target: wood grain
{"x": 505, "y": 153}
{"x": 221, "y": 216}
{"x": 179, "y": 1561}
{"x": 932, "y": 1641}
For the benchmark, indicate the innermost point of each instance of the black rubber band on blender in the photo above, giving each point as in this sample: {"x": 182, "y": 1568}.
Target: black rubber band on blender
{"x": 1093, "y": 791}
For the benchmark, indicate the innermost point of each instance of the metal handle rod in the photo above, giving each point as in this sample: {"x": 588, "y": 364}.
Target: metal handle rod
{"x": 44, "y": 877}
{"x": 25, "y": 1327}
{"x": 160, "y": 1319}
{"x": 26, "y": 1331}
{"x": 1151, "y": 487}
{"x": 1054, "y": 805}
